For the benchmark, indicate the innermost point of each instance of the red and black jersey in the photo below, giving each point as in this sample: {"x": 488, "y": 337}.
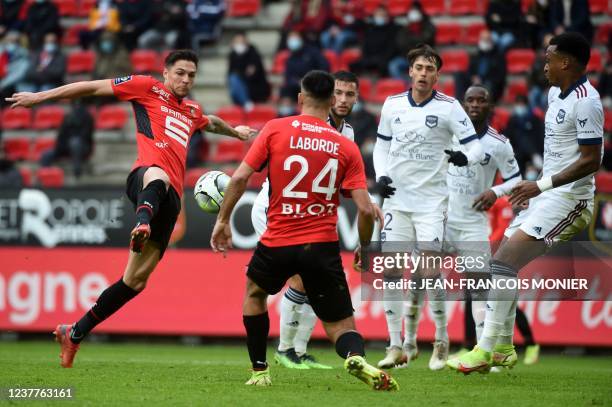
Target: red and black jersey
{"x": 164, "y": 124}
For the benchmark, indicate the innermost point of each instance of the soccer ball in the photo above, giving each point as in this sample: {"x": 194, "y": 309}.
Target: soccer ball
{"x": 209, "y": 190}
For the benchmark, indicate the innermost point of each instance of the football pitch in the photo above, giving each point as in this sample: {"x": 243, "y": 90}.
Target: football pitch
{"x": 158, "y": 374}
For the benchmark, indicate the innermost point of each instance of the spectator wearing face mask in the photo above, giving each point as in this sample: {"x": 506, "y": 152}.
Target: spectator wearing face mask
{"x": 365, "y": 126}
{"x": 302, "y": 58}
{"x": 377, "y": 46}
{"x": 42, "y": 18}
{"x": 12, "y": 15}
{"x": 487, "y": 68}
{"x": 309, "y": 18}
{"x": 47, "y": 67}
{"x": 103, "y": 17}
{"x": 345, "y": 26}
{"x": 17, "y": 64}
{"x": 526, "y": 133}
{"x": 419, "y": 30}
{"x": 170, "y": 28}
{"x": 112, "y": 61}
{"x": 246, "y": 75}
{"x": 503, "y": 20}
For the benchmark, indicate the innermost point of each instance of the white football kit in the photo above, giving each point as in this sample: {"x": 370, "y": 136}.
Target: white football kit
{"x": 260, "y": 207}
{"x": 410, "y": 150}
{"x": 573, "y": 118}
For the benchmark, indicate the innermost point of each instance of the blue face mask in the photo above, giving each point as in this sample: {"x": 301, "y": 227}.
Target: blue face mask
{"x": 531, "y": 175}
{"x": 294, "y": 43}
{"x": 520, "y": 110}
{"x": 50, "y": 47}
{"x": 107, "y": 47}
{"x": 11, "y": 47}
{"x": 285, "y": 111}
{"x": 357, "y": 107}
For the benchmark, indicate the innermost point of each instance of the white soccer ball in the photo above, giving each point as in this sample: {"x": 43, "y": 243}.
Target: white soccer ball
{"x": 210, "y": 189}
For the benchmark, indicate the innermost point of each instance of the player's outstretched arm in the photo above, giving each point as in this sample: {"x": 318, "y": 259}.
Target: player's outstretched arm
{"x": 365, "y": 215}
{"x": 588, "y": 163}
{"x": 219, "y": 126}
{"x": 221, "y": 238}
{"x": 71, "y": 91}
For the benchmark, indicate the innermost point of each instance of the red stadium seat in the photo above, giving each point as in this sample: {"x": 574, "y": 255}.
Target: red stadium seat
{"x": 66, "y": 7}
{"x": 145, "y": 61}
{"x": 333, "y": 59}
{"x": 461, "y": 7}
{"x": 18, "y": 118}
{"x": 349, "y": 56}
{"x": 71, "y": 36}
{"x": 603, "y": 33}
{"x": 48, "y": 117}
{"x": 41, "y": 145}
{"x": 448, "y": 33}
{"x": 456, "y": 60}
{"x": 520, "y": 60}
{"x": 385, "y": 88}
{"x": 471, "y": 33}
{"x": 192, "y": 175}
{"x": 603, "y": 181}
{"x": 81, "y": 62}
{"x": 85, "y": 7}
{"x": 50, "y": 177}
{"x": 448, "y": 88}
{"x": 111, "y": 118}
{"x": 280, "y": 59}
{"x": 365, "y": 88}
{"x": 595, "y": 63}
{"x": 608, "y": 120}
{"x": 260, "y": 115}
{"x": 500, "y": 120}
{"x": 398, "y": 7}
{"x": 243, "y": 8}
{"x": 515, "y": 88}
{"x": 228, "y": 150}
{"x": 370, "y": 5}
{"x": 234, "y": 115}
{"x": 26, "y": 176}
{"x": 598, "y": 6}
{"x": 17, "y": 148}
{"x": 434, "y": 7}
{"x": 525, "y": 5}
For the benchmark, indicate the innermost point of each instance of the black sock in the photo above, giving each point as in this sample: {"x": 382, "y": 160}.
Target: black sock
{"x": 350, "y": 343}
{"x": 111, "y": 299}
{"x": 523, "y": 326}
{"x": 257, "y": 328}
{"x": 149, "y": 199}
{"x": 470, "y": 329}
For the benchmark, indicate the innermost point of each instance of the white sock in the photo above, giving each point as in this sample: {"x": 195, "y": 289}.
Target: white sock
{"x": 413, "y": 315}
{"x": 291, "y": 306}
{"x": 437, "y": 304}
{"x": 393, "y": 301}
{"x": 507, "y": 335}
{"x": 307, "y": 321}
{"x": 498, "y": 306}
{"x": 478, "y": 313}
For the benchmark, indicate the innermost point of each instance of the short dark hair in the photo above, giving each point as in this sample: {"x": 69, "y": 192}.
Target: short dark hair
{"x": 346, "y": 76}
{"x": 574, "y": 45}
{"x": 319, "y": 85}
{"x": 479, "y": 86}
{"x": 181, "y": 55}
{"x": 427, "y": 52}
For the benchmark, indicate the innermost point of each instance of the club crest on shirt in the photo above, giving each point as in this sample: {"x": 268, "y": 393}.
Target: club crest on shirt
{"x": 122, "y": 79}
{"x": 486, "y": 159}
{"x": 431, "y": 121}
{"x": 560, "y": 116}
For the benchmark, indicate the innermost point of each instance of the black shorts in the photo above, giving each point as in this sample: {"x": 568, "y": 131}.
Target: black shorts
{"x": 320, "y": 267}
{"x": 163, "y": 222}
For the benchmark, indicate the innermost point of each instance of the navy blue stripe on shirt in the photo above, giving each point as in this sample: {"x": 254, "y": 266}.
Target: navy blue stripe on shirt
{"x": 518, "y": 174}
{"x": 590, "y": 141}
{"x": 468, "y": 139}
{"x": 386, "y": 138}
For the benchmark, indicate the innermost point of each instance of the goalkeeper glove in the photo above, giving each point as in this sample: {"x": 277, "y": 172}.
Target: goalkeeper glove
{"x": 384, "y": 188}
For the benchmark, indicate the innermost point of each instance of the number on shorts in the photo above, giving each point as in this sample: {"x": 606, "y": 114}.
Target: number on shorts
{"x": 388, "y": 219}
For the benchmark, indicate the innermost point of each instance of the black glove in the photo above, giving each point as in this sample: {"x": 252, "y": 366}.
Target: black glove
{"x": 384, "y": 188}
{"x": 457, "y": 158}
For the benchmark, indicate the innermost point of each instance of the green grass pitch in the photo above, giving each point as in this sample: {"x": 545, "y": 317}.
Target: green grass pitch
{"x": 154, "y": 374}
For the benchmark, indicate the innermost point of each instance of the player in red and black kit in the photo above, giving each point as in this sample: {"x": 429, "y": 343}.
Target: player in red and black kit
{"x": 165, "y": 121}
{"x": 309, "y": 163}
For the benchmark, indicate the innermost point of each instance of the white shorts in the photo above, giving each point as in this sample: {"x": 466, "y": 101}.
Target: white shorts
{"x": 406, "y": 228}
{"x": 553, "y": 217}
{"x": 470, "y": 243}
{"x": 259, "y": 211}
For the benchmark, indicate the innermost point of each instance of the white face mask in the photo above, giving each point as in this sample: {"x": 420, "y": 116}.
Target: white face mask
{"x": 294, "y": 43}
{"x": 543, "y": 3}
{"x": 50, "y": 47}
{"x": 349, "y": 19}
{"x": 531, "y": 175}
{"x": 380, "y": 20}
{"x": 520, "y": 110}
{"x": 485, "y": 46}
{"x": 415, "y": 16}
{"x": 239, "y": 48}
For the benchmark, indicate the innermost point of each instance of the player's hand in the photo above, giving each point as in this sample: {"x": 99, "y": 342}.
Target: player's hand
{"x": 457, "y": 158}
{"x": 245, "y": 132}
{"x": 221, "y": 238}
{"x": 378, "y": 213}
{"x": 524, "y": 191}
{"x": 520, "y": 207}
{"x": 383, "y": 187}
{"x": 357, "y": 259}
{"x": 485, "y": 200}
{"x": 22, "y": 99}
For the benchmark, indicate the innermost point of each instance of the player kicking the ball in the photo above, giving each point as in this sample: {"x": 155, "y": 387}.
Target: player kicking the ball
{"x": 309, "y": 162}
{"x": 561, "y": 201}
{"x": 165, "y": 121}
{"x": 297, "y": 318}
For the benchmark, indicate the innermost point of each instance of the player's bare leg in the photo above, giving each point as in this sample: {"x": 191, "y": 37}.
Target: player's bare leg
{"x": 257, "y": 324}
{"x": 134, "y": 280}
{"x": 349, "y": 346}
